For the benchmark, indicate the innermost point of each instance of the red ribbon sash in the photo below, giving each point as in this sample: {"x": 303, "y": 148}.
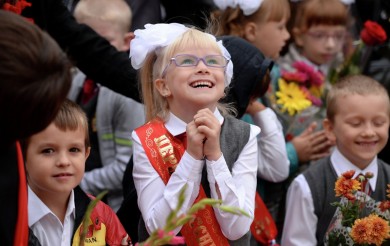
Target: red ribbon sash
{"x": 164, "y": 153}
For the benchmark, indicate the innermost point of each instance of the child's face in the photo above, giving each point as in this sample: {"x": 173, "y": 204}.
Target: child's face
{"x": 197, "y": 86}
{"x": 360, "y": 127}
{"x": 111, "y": 32}
{"x": 321, "y": 43}
{"x": 55, "y": 161}
{"x": 270, "y": 37}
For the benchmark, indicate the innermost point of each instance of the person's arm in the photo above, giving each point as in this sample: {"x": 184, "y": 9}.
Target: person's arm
{"x": 273, "y": 161}
{"x": 156, "y": 199}
{"x": 115, "y": 144}
{"x": 236, "y": 189}
{"x": 300, "y": 222}
{"x": 90, "y": 52}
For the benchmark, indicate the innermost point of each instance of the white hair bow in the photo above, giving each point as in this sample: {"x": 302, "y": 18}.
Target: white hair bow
{"x": 156, "y": 36}
{"x": 247, "y": 6}
{"x": 151, "y": 38}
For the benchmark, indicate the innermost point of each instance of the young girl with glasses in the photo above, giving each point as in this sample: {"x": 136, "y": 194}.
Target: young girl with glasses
{"x": 190, "y": 140}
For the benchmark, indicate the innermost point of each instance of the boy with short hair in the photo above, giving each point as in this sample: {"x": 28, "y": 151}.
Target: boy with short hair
{"x": 112, "y": 117}
{"x": 358, "y": 110}
{"x": 55, "y": 161}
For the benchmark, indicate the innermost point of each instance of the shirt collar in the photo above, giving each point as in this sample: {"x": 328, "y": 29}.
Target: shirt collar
{"x": 342, "y": 164}
{"x": 176, "y": 126}
{"x": 37, "y": 209}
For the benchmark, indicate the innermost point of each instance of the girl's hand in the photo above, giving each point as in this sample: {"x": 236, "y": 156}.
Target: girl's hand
{"x": 208, "y": 125}
{"x": 194, "y": 141}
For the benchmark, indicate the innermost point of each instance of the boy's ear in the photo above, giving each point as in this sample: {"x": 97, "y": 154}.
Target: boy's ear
{"x": 87, "y": 152}
{"x": 127, "y": 39}
{"x": 162, "y": 87}
{"x": 250, "y": 31}
{"x": 297, "y": 34}
{"x": 328, "y": 127}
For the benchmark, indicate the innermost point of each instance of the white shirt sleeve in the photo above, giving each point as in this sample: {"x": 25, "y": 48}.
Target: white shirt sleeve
{"x": 273, "y": 163}
{"x": 300, "y": 223}
{"x": 237, "y": 188}
{"x": 155, "y": 199}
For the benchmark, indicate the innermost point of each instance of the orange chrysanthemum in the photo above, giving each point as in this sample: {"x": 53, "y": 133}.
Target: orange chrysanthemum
{"x": 360, "y": 231}
{"x": 370, "y": 230}
{"x": 346, "y": 187}
{"x": 380, "y": 229}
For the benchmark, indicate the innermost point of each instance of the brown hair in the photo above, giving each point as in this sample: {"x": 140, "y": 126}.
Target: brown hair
{"x": 71, "y": 117}
{"x": 231, "y": 20}
{"x": 353, "y": 84}
{"x": 34, "y": 78}
{"x": 320, "y": 12}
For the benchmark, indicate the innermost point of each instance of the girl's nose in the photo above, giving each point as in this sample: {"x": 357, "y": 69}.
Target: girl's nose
{"x": 202, "y": 67}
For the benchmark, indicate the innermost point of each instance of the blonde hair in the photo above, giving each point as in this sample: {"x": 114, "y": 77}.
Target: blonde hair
{"x": 117, "y": 12}
{"x": 320, "y": 12}
{"x": 155, "y": 104}
{"x": 353, "y": 85}
{"x": 231, "y": 20}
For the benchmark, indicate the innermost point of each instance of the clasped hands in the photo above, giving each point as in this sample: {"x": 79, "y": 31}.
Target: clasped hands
{"x": 203, "y": 136}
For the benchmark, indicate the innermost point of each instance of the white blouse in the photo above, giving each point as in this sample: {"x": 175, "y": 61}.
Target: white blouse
{"x": 156, "y": 200}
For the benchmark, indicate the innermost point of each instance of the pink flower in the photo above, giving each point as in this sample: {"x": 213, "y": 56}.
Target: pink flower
{"x": 295, "y": 76}
{"x": 314, "y": 77}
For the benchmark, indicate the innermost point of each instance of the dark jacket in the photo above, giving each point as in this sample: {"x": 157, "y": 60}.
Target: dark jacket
{"x": 91, "y": 53}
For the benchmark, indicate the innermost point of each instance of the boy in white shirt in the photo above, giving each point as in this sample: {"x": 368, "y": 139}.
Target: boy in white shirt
{"x": 358, "y": 111}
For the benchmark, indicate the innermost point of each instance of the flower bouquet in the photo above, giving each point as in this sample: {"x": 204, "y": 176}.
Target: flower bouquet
{"x": 371, "y": 35}
{"x": 359, "y": 219}
{"x": 299, "y": 97}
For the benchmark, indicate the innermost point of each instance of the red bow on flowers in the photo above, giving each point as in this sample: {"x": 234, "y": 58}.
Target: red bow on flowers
{"x": 16, "y": 6}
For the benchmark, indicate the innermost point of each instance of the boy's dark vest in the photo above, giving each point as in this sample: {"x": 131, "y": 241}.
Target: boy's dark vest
{"x": 234, "y": 136}
{"x": 321, "y": 178}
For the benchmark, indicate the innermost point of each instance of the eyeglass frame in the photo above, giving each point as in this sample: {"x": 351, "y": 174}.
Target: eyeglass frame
{"x": 323, "y": 37}
{"x": 198, "y": 59}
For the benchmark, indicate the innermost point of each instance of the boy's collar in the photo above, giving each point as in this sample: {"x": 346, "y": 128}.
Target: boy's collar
{"x": 342, "y": 164}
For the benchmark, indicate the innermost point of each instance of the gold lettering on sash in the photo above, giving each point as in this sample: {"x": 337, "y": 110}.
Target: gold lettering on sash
{"x": 166, "y": 149}
{"x": 204, "y": 237}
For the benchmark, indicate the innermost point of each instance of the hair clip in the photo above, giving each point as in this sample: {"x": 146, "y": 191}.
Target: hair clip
{"x": 248, "y": 7}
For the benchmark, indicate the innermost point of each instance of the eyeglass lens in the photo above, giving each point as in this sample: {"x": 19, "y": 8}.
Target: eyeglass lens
{"x": 191, "y": 60}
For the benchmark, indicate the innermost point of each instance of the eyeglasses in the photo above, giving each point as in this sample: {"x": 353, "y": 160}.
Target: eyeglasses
{"x": 185, "y": 60}
{"x": 323, "y": 37}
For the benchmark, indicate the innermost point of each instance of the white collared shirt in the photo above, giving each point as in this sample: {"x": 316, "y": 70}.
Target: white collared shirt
{"x": 300, "y": 205}
{"x": 45, "y": 224}
{"x": 156, "y": 200}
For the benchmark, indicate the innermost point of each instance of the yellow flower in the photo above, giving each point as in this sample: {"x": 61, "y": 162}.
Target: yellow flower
{"x": 370, "y": 230}
{"x": 291, "y": 98}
